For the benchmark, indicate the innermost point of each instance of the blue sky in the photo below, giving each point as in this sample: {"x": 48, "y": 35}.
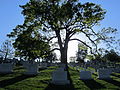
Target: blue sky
{"x": 10, "y": 15}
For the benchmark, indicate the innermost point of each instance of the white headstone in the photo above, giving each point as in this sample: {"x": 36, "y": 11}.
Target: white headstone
{"x": 59, "y": 77}
{"x": 31, "y": 69}
{"x": 60, "y": 69}
{"x": 104, "y": 73}
{"x": 25, "y": 63}
{"x": 116, "y": 70}
{"x": 85, "y": 75}
{"x": 6, "y": 68}
{"x": 43, "y": 65}
{"x": 62, "y": 65}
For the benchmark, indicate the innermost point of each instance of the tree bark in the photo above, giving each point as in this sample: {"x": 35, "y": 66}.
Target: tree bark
{"x": 63, "y": 53}
{"x": 63, "y": 47}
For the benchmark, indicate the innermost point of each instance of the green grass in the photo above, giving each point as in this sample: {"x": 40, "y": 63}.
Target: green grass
{"x": 95, "y": 84}
{"x": 18, "y": 81}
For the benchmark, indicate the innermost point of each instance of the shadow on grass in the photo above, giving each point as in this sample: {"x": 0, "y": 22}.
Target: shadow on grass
{"x": 11, "y": 81}
{"x": 71, "y": 82}
{"x": 58, "y": 87}
{"x": 2, "y": 75}
{"x": 61, "y": 87}
{"x": 116, "y": 75}
{"x": 92, "y": 84}
{"x": 40, "y": 69}
{"x": 94, "y": 74}
{"x": 18, "y": 68}
{"x": 114, "y": 82}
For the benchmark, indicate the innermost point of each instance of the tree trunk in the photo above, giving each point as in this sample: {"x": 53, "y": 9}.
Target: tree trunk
{"x": 63, "y": 47}
{"x": 63, "y": 56}
{"x": 63, "y": 53}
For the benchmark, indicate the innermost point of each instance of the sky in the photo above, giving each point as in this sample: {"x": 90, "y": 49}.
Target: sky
{"x": 10, "y": 17}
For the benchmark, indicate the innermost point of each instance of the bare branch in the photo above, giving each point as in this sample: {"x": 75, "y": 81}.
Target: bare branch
{"x": 93, "y": 32}
{"x": 72, "y": 34}
{"x": 54, "y": 49}
{"x": 83, "y": 43}
{"x": 59, "y": 38}
{"x": 51, "y": 38}
{"x": 90, "y": 40}
{"x": 73, "y": 31}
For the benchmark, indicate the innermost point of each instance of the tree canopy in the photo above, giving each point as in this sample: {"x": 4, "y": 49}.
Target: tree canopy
{"x": 62, "y": 19}
{"x": 29, "y": 44}
{"x": 111, "y": 56}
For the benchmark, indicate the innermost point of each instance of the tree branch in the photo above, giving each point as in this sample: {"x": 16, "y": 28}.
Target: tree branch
{"x": 83, "y": 43}
{"x": 51, "y": 38}
{"x": 54, "y": 49}
{"x": 73, "y": 31}
{"x": 90, "y": 39}
{"x": 94, "y": 32}
{"x": 59, "y": 38}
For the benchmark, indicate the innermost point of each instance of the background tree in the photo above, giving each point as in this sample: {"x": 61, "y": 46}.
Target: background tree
{"x": 6, "y": 50}
{"x": 82, "y": 52}
{"x": 51, "y": 57}
{"x": 72, "y": 59}
{"x": 63, "y": 19}
{"x": 111, "y": 56}
{"x": 90, "y": 57}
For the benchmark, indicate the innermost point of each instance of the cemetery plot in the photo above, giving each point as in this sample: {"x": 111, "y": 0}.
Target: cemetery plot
{"x": 59, "y": 77}
{"x": 31, "y": 68}
{"x": 6, "y": 68}
{"x": 85, "y": 75}
{"x": 43, "y": 65}
{"x": 104, "y": 73}
{"x": 43, "y": 79}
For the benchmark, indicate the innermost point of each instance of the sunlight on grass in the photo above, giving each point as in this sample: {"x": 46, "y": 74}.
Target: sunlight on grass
{"x": 18, "y": 81}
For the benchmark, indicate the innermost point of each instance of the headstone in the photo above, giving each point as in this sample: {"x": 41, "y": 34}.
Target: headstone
{"x": 104, "y": 73}
{"x": 25, "y": 63}
{"x": 59, "y": 77}
{"x": 31, "y": 69}
{"x": 85, "y": 75}
{"x": 6, "y": 68}
{"x": 43, "y": 65}
{"x": 62, "y": 65}
{"x": 61, "y": 69}
{"x": 116, "y": 70}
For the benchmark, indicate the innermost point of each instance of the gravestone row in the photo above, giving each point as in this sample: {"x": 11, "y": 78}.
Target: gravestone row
{"x": 59, "y": 76}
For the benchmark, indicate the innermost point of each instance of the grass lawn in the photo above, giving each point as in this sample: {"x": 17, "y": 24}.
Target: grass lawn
{"x": 18, "y": 81}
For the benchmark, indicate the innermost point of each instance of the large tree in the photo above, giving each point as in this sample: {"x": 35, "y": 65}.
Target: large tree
{"x": 63, "y": 19}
